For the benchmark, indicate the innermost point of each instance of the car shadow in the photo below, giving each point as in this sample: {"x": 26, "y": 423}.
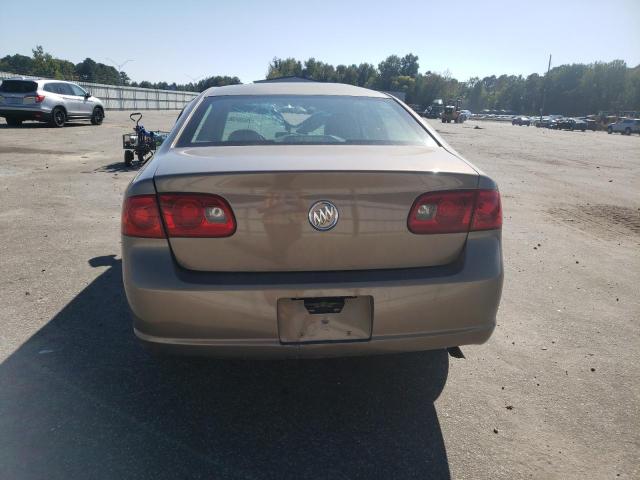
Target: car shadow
{"x": 82, "y": 399}
{"x": 118, "y": 167}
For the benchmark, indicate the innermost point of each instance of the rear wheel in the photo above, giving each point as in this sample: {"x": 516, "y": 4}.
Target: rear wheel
{"x": 13, "y": 122}
{"x": 627, "y": 131}
{"x": 58, "y": 117}
{"x": 97, "y": 117}
{"x": 609, "y": 130}
{"x": 128, "y": 157}
{"x": 141, "y": 157}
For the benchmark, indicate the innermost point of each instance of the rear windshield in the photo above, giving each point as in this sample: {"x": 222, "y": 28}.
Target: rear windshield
{"x": 18, "y": 86}
{"x": 302, "y": 119}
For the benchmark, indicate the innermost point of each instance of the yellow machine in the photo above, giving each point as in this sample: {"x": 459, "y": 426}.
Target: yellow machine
{"x": 451, "y": 113}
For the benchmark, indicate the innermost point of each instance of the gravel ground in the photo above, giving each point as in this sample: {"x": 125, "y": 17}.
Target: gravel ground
{"x": 554, "y": 394}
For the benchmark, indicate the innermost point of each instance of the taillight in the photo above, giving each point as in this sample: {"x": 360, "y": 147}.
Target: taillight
{"x": 442, "y": 212}
{"x": 31, "y": 99}
{"x": 455, "y": 212}
{"x": 197, "y": 215}
{"x": 141, "y": 218}
{"x": 487, "y": 214}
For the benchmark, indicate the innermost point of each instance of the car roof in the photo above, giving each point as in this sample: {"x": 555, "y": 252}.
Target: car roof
{"x": 50, "y": 80}
{"x": 294, "y": 88}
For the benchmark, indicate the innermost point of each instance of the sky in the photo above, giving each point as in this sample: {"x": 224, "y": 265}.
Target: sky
{"x": 179, "y": 41}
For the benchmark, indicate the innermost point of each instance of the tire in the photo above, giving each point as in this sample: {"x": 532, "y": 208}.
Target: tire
{"x": 128, "y": 157}
{"x": 97, "y": 116}
{"x": 444, "y": 120}
{"x": 13, "y": 122}
{"x": 58, "y": 117}
{"x": 141, "y": 157}
{"x": 609, "y": 130}
{"x": 627, "y": 131}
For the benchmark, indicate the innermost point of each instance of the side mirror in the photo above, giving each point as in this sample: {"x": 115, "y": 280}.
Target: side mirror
{"x": 87, "y": 95}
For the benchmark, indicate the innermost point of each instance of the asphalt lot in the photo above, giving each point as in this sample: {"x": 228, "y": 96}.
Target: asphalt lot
{"x": 554, "y": 394}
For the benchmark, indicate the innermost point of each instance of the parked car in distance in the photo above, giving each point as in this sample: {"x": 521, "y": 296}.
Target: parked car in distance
{"x": 51, "y": 101}
{"x": 591, "y": 123}
{"x": 578, "y": 124}
{"x": 465, "y": 115}
{"x": 571, "y": 124}
{"x": 545, "y": 122}
{"x": 538, "y": 121}
{"x": 521, "y": 120}
{"x": 625, "y": 126}
{"x": 554, "y": 120}
{"x": 350, "y": 229}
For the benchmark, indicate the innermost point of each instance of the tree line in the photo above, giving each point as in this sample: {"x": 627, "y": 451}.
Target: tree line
{"x": 576, "y": 89}
{"x": 43, "y": 64}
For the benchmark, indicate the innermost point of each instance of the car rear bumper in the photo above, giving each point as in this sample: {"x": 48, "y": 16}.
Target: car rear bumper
{"x": 25, "y": 113}
{"x": 235, "y": 314}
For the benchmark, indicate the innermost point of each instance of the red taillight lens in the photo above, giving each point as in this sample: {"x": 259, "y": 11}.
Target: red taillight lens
{"x": 197, "y": 215}
{"x": 442, "y": 212}
{"x": 453, "y": 212}
{"x": 488, "y": 212}
{"x": 141, "y": 218}
{"x": 39, "y": 98}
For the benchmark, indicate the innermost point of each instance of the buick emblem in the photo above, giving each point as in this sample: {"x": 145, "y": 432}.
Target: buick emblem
{"x": 323, "y": 215}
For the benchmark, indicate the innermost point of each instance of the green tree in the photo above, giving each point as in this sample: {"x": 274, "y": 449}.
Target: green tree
{"x": 19, "y": 64}
{"x": 284, "y": 68}
{"x": 388, "y": 69}
{"x": 409, "y": 65}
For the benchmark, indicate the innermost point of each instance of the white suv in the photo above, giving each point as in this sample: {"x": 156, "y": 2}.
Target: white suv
{"x": 52, "y": 101}
{"x": 625, "y": 126}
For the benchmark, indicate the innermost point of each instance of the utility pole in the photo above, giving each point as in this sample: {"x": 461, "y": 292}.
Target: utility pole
{"x": 195, "y": 80}
{"x": 119, "y": 67}
{"x": 544, "y": 87}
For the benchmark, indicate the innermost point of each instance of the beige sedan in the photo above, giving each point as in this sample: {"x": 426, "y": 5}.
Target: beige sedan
{"x": 309, "y": 219}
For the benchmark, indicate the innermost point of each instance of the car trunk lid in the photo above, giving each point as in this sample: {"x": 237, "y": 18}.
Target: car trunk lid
{"x": 271, "y": 191}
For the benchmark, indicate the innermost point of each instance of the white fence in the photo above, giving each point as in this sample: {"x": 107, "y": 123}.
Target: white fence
{"x": 115, "y": 97}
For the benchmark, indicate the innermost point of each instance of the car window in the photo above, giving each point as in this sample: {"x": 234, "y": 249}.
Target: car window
{"x": 18, "y": 86}
{"x": 50, "y": 87}
{"x": 77, "y": 90}
{"x": 64, "y": 89}
{"x": 302, "y": 119}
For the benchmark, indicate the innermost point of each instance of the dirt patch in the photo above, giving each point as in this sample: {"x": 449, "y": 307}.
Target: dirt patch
{"x": 607, "y": 221}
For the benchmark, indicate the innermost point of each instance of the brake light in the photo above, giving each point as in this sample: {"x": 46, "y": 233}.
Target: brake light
{"x": 141, "y": 218}
{"x": 31, "y": 99}
{"x": 442, "y": 212}
{"x": 197, "y": 215}
{"x": 455, "y": 211}
{"x": 487, "y": 214}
